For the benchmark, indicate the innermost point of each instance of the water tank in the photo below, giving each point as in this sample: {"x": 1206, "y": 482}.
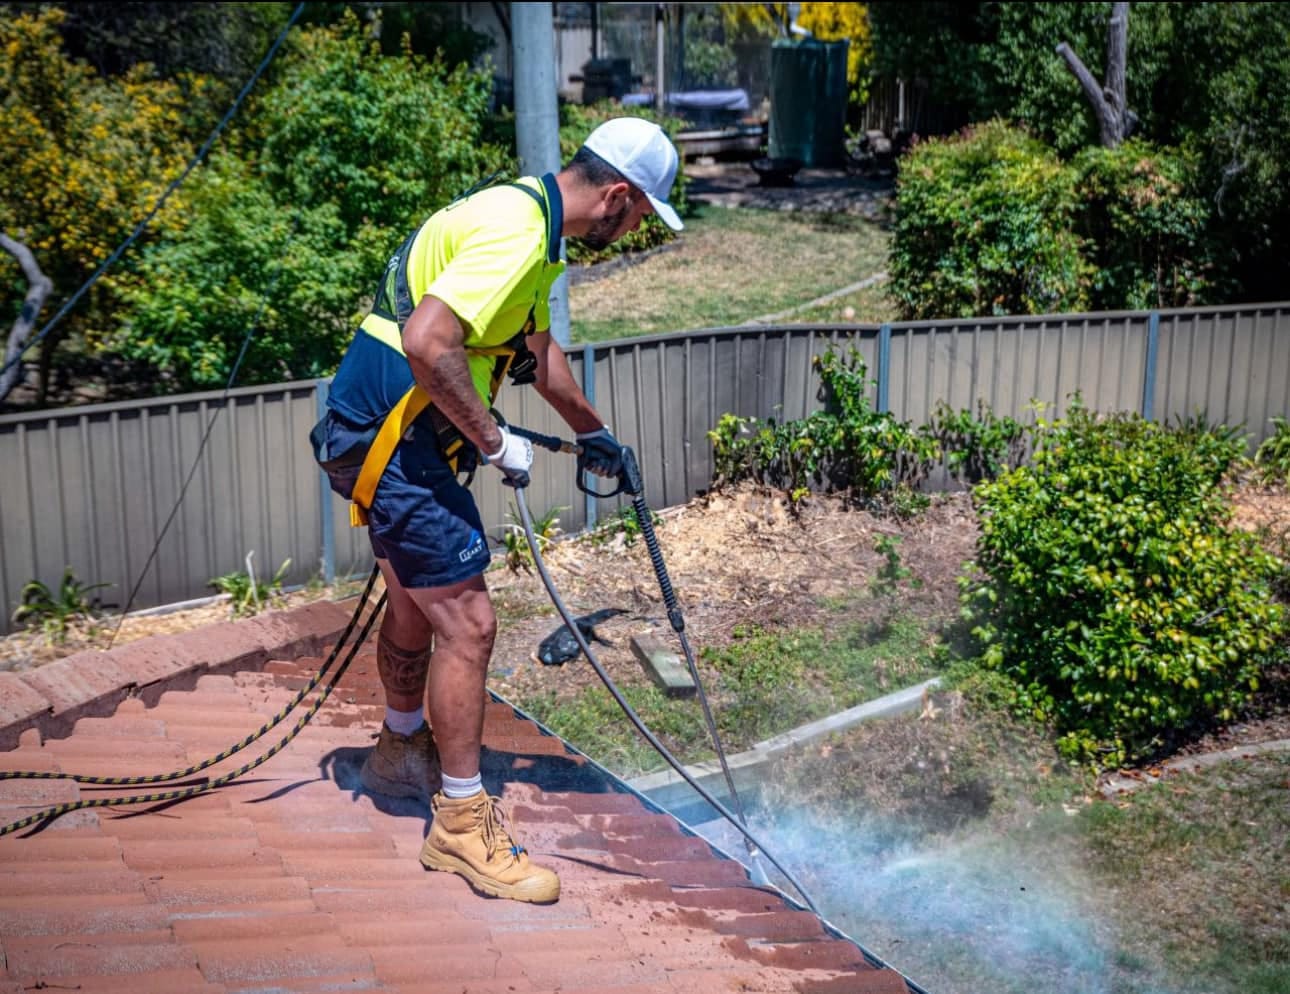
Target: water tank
{"x": 808, "y": 101}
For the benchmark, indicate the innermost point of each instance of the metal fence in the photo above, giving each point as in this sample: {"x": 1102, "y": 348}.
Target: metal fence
{"x": 92, "y": 488}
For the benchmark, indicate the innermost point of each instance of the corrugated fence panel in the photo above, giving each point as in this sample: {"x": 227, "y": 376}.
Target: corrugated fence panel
{"x": 1232, "y": 366}
{"x": 92, "y": 488}
{"x": 98, "y": 486}
{"x": 1010, "y": 362}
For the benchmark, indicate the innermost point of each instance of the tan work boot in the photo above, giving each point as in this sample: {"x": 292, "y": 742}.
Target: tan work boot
{"x": 403, "y": 765}
{"x": 468, "y": 837}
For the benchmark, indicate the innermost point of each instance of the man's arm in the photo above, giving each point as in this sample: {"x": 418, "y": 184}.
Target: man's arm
{"x": 557, "y": 386}
{"x": 434, "y": 341}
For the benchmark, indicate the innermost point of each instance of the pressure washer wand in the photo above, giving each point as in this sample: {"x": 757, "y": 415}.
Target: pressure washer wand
{"x": 634, "y": 484}
{"x": 631, "y": 481}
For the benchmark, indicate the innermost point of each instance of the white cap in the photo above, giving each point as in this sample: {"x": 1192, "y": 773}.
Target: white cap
{"x": 642, "y": 152}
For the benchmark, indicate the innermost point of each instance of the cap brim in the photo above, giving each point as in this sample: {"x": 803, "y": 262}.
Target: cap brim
{"x": 665, "y": 211}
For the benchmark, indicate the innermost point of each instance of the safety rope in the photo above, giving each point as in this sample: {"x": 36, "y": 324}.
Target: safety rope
{"x": 58, "y": 810}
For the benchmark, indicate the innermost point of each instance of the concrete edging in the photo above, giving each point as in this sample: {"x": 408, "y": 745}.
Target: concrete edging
{"x": 53, "y": 697}
{"x": 671, "y": 791}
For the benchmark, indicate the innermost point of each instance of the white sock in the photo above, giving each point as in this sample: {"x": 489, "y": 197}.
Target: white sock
{"x": 403, "y": 722}
{"x": 462, "y": 786}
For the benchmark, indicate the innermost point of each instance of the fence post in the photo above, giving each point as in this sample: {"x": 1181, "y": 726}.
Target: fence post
{"x": 328, "y": 529}
{"x": 1149, "y": 375}
{"x": 884, "y": 368}
{"x": 589, "y": 391}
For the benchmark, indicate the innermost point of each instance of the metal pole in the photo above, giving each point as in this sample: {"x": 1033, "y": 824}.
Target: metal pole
{"x": 660, "y": 42}
{"x": 1149, "y": 373}
{"x": 321, "y": 389}
{"x": 537, "y": 119}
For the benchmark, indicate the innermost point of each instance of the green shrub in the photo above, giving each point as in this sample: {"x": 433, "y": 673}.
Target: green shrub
{"x": 1111, "y": 590}
{"x": 1272, "y": 457}
{"x": 546, "y": 529}
{"x": 57, "y": 610}
{"x": 285, "y": 230}
{"x": 1143, "y": 227}
{"x": 247, "y": 595}
{"x": 976, "y": 447}
{"x": 985, "y": 225}
{"x": 848, "y": 446}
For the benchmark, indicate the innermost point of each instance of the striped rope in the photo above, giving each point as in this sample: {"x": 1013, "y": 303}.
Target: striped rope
{"x": 58, "y": 810}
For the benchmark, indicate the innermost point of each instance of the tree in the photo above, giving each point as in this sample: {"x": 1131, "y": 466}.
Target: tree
{"x": 1114, "y": 118}
{"x": 84, "y": 159}
{"x": 38, "y": 288}
{"x": 291, "y": 223}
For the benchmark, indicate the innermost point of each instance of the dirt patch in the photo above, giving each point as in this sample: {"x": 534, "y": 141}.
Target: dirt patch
{"x": 735, "y": 559}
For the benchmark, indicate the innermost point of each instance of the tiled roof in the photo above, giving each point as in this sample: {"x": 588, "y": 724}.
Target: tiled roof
{"x": 291, "y": 879}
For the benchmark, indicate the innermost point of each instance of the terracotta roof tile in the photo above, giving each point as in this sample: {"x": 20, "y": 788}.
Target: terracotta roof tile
{"x": 292, "y": 879}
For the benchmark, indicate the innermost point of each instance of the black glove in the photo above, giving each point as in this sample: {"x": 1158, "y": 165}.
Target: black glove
{"x": 601, "y": 454}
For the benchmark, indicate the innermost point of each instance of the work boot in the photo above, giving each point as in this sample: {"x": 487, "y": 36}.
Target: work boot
{"x": 403, "y": 765}
{"x": 469, "y": 837}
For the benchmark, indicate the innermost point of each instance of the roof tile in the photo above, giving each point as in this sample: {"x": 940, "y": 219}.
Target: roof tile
{"x": 294, "y": 879}
{"x": 48, "y": 958}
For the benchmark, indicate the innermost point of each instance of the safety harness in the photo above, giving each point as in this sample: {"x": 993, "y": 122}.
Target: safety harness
{"x": 394, "y": 303}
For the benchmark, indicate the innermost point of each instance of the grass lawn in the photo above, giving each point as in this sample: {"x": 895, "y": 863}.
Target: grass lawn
{"x": 730, "y": 267}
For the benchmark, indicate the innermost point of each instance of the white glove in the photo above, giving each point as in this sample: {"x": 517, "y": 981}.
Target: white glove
{"x": 514, "y": 458}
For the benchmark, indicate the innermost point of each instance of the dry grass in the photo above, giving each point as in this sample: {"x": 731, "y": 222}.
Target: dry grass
{"x": 728, "y": 267}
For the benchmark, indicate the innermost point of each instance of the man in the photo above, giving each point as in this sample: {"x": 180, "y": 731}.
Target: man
{"x": 463, "y": 302}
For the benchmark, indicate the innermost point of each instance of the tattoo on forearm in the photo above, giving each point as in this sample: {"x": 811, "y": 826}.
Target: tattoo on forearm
{"x": 454, "y": 394}
{"x": 403, "y": 671}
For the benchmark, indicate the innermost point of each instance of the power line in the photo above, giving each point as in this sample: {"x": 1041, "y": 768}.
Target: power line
{"x": 178, "y": 181}
{"x": 210, "y": 425}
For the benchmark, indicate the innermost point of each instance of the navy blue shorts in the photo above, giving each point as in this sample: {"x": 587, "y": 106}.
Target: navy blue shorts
{"x": 422, "y": 519}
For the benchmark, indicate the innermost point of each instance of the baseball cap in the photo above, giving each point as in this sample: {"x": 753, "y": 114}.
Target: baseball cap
{"x": 646, "y": 157}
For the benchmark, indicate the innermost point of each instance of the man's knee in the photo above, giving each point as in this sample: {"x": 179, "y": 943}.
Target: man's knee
{"x": 479, "y": 623}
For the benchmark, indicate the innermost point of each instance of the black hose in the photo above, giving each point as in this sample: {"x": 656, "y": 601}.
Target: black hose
{"x": 527, "y": 521}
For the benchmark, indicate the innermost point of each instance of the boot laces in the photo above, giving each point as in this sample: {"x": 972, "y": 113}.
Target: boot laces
{"x": 497, "y": 829}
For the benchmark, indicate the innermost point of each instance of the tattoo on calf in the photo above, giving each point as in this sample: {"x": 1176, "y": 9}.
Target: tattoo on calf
{"x": 403, "y": 671}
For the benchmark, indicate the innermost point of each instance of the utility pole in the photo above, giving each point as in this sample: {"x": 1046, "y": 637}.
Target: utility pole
{"x": 660, "y": 47}
{"x": 537, "y": 120}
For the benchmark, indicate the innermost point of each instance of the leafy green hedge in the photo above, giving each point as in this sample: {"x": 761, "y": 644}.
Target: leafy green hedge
{"x": 1111, "y": 589}
{"x": 1143, "y": 227}
{"x": 991, "y": 221}
{"x": 285, "y": 230}
{"x": 848, "y": 446}
{"x": 985, "y": 225}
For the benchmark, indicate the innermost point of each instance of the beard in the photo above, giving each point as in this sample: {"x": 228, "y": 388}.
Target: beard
{"x": 604, "y": 230}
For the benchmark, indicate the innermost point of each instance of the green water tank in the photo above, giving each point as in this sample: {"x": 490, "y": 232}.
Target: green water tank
{"x": 808, "y": 101}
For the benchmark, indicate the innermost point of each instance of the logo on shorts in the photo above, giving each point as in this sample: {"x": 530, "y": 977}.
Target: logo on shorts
{"x": 475, "y": 547}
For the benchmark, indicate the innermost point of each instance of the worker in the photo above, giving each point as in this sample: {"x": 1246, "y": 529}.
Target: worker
{"x": 461, "y": 305}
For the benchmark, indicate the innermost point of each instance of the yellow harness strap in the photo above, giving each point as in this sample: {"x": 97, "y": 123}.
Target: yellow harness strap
{"x": 393, "y": 428}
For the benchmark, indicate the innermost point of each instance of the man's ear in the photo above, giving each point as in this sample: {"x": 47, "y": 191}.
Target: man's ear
{"x": 615, "y": 195}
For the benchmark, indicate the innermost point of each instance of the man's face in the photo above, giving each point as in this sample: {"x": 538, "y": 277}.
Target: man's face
{"x": 613, "y": 226}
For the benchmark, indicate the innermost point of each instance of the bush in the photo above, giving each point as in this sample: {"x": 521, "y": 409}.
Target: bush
{"x": 1111, "y": 590}
{"x": 848, "y": 446}
{"x": 976, "y": 447}
{"x": 985, "y": 225}
{"x": 1272, "y": 458}
{"x": 286, "y": 229}
{"x": 1144, "y": 230}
